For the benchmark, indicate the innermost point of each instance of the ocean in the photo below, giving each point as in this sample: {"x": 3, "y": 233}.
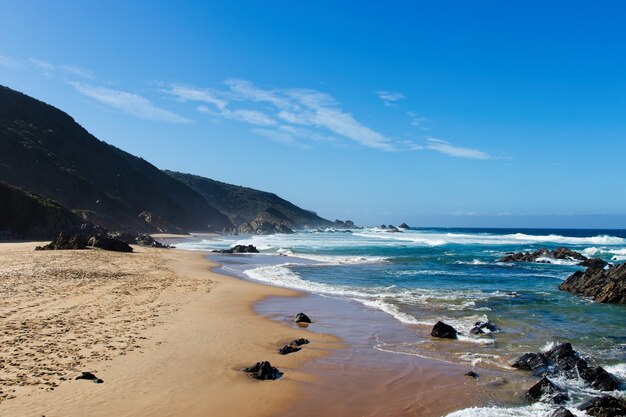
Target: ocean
{"x": 424, "y": 275}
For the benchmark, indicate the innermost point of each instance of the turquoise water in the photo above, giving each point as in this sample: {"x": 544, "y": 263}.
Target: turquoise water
{"x": 421, "y": 276}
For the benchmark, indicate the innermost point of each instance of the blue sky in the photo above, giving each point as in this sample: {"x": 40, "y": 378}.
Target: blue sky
{"x": 434, "y": 113}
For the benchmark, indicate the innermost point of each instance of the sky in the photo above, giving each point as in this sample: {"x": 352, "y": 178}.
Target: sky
{"x": 448, "y": 113}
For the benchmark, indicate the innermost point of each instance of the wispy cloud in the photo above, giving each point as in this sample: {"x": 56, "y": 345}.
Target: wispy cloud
{"x": 417, "y": 120}
{"x": 253, "y": 117}
{"x": 42, "y": 64}
{"x": 81, "y": 72}
{"x": 126, "y": 102}
{"x": 444, "y": 147}
{"x": 294, "y": 106}
{"x": 186, "y": 93}
{"x": 389, "y": 97}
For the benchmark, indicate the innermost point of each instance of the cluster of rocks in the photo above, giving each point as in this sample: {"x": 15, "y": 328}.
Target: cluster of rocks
{"x": 293, "y": 346}
{"x": 267, "y": 222}
{"x": 544, "y": 255}
{"x": 264, "y": 370}
{"x": 389, "y": 228}
{"x": 562, "y": 361}
{"x": 445, "y": 331}
{"x": 344, "y": 224}
{"x": 100, "y": 238}
{"x": 604, "y": 285}
{"x": 239, "y": 249}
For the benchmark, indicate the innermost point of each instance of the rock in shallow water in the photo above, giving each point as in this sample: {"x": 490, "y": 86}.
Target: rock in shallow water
{"x": 239, "y": 249}
{"x": 263, "y": 371}
{"x": 443, "y": 330}
{"x": 302, "y": 318}
{"x": 562, "y": 412}
{"x": 605, "y": 406}
{"x": 287, "y": 349}
{"x": 483, "y": 327}
{"x": 546, "y": 390}
{"x": 603, "y": 285}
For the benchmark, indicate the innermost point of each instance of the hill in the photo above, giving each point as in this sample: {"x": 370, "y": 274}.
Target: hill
{"x": 24, "y": 215}
{"x": 243, "y": 204}
{"x": 43, "y": 150}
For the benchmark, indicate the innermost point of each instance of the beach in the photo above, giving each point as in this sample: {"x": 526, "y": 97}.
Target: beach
{"x": 167, "y": 336}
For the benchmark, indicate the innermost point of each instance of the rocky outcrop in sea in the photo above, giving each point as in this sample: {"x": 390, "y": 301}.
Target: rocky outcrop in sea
{"x": 544, "y": 255}
{"x": 604, "y": 285}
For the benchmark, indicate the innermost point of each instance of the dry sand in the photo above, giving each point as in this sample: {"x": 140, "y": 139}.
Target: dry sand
{"x": 166, "y": 335}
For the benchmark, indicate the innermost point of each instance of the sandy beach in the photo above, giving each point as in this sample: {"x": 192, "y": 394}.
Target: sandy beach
{"x": 166, "y": 335}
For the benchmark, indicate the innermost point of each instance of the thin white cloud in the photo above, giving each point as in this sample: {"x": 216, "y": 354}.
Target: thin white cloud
{"x": 205, "y": 95}
{"x": 284, "y": 138}
{"x": 81, "y": 72}
{"x": 416, "y": 120}
{"x": 253, "y": 117}
{"x": 444, "y": 147}
{"x": 46, "y": 66}
{"x": 128, "y": 103}
{"x": 389, "y": 97}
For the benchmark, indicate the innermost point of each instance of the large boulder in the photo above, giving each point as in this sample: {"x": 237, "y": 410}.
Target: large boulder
{"x": 605, "y": 406}
{"x": 535, "y": 362}
{"x": 404, "y": 226}
{"x": 107, "y": 243}
{"x": 602, "y": 285}
{"x": 444, "y": 331}
{"x": 64, "y": 242}
{"x": 598, "y": 378}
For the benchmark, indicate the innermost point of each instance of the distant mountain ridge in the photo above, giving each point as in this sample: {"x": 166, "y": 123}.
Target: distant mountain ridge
{"x": 243, "y": 204}
{"x": 45, "y": 152}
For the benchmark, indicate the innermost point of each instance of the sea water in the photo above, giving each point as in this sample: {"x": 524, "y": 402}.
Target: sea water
{"x": 421, "y": 276}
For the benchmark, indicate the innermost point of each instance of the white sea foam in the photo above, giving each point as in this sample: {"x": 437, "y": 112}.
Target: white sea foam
{"x": 534, "y": 410}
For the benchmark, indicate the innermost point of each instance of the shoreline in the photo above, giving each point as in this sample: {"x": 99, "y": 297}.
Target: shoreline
{"x": 189, "y": 362}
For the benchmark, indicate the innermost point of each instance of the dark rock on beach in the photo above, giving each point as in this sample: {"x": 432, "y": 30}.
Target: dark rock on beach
{"x": 483, "y": 327}
{"x": 559, "y": 253}
{"x": 107, "y": 243}
{"x": 602, "y": 285}
{"x": 300, "y": 342}
{"x": 287, "y": 349}
{"x": 239, "y": 249}
{"x": 562, "y": 412}
{"x": 89, "y": 377}
{"x": 472, "y": 374}
{"x": 64, "y": 242}
{"x": 546, "y": 390}
{"x": 443, "y": 330}
{"x": 263, "y": 371}
{"x": 302, "y": 318}
{"x": 139, "y": 239}
{"x": 605, "y": 406}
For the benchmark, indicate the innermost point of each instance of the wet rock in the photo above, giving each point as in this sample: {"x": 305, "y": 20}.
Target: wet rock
{"x": 443, "y": 330}
{"x": 239, "y": 249}
{"x": 287, "y": 349}
{"x": 299, "y": 342}
{"x": 89, "y": 377}
{"x": 472, "y": 374}
{"x": 483, "y": 327}
{"x": 605, "y": 406}
{"x": 562, "y": 412}
{"x": 263, "y": 371}
{"x": 602, "y": 285}
{"x": 64, "y": 242}
{"x": 302, "y": 318}
{"x": 546, "y": 390}
{"x": 599, "y": 378}
{"x": 565, "y": 359}
{"x": 561, "y": 253}
{"x": 404, "y": 226}
{"x": 107, "y": 243}
{"x": 535, "y": 362}
{"x": 594, "y": 263}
